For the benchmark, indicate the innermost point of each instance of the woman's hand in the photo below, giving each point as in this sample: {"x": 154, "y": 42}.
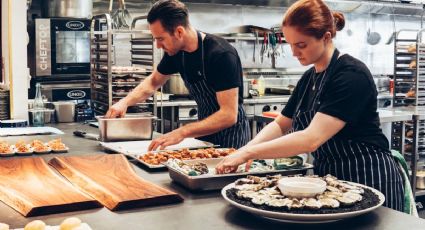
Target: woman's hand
{"x": 230, "y": 163}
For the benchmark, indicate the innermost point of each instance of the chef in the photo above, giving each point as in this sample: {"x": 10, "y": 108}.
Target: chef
{"x": 332, "y": 112}
{"x": 211, "y": 70}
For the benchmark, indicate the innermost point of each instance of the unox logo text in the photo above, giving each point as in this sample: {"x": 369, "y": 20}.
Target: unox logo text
{"x": 74, "y": 25}
{"x": 76, "y": 94}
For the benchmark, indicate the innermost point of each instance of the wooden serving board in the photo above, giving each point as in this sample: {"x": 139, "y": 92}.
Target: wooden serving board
{"x": 32, "y": 188}
{"x": 111, "y": 180}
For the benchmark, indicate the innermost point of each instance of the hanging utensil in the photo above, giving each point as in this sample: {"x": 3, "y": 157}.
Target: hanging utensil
{"x": 126, "y": 15}
{"x": 263, "y": 47}
{"x": 114, "y": 16}
{"x": 372, "y": 37}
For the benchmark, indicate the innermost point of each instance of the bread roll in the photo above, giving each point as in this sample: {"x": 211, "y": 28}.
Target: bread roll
{"x": 412, "y": 64}
{"x": 4, "y": 226}
{"x": 71, "y": 223}
{"x": 35, "y": 225}
{"x": 412, "y": 48}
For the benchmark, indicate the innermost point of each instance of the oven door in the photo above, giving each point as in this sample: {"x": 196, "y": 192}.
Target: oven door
{"x": 70, "y": 46}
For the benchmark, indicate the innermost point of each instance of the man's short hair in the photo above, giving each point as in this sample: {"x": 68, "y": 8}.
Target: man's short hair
{"x": 171, "y": 14}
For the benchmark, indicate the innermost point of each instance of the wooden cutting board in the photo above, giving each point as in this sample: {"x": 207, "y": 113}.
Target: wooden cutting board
{"x": 111, "y": 180}
{"x": 32, "y": 188}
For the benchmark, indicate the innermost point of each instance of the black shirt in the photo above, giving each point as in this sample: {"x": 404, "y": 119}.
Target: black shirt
{"x": 349, "y": 94}
{"x": 223, "y": 68}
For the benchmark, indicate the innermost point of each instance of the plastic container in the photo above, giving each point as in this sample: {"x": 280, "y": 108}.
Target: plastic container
{"x": 261, "y": 85}
{"x": 301, "y": 187}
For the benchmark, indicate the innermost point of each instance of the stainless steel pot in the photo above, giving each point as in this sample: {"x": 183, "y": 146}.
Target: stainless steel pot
{"x": 70, "y": 8}
{"x": 175, "y": 86}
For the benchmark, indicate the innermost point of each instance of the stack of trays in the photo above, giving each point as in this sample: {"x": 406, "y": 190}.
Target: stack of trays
{"x": 4, "y": 104}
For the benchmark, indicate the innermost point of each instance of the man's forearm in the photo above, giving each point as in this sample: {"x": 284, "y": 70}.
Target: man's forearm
{"x": 214, "y": 123}
{"x": 270, "y": 132}
{"x": 143, "y": 91}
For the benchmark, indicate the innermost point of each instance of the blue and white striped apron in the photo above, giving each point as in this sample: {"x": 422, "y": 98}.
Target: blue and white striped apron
{"x": 352, "y": 160}
{"x": 205, "y": 96}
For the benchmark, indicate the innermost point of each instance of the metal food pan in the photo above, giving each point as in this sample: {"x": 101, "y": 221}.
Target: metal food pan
{"x": 128, "y": 128}
{"x": 216, "y": 182}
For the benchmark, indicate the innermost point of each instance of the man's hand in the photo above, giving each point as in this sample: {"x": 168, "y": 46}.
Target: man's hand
{"x": 167, "y": 139}
{"x": 117, "y": 110}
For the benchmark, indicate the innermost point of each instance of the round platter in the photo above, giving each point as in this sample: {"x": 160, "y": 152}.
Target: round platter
{"x": 303, "y": 218}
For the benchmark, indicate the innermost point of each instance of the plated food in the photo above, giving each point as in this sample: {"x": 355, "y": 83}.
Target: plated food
{"x": 6, "y": 149}
{"x": 57, "y": 146}
{"x": 40, "y": 147}
{"x": 23, "y": 148}
{"x": 159, "y": 158}
{"x": 340, "y": 199}
{"x": 35, "y": 146}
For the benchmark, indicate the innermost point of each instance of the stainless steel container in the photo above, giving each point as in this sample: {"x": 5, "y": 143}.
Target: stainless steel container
{"x": 420, "y": 179}
{"x": 70, "y": 8}
{"x": 176, "y": 86}
{"x": 128, "y": 128}
{"x": 65, "y": 111}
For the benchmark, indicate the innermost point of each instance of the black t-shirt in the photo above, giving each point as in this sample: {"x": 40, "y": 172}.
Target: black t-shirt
{"x": 349, "y": 94}
{"x": 223, "y": 68}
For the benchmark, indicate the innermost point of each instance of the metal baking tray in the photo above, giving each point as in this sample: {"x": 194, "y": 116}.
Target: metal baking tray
{"x": 215, "y": 182}
{"x": 130, "y": 127}
{"x": 134, "y": 149}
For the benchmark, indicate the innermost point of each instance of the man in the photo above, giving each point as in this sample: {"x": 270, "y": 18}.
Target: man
{"x": 211, "y": 70}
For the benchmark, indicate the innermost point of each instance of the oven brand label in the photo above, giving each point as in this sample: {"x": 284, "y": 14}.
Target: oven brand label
{"x": 76, "y": 94}
{"x": 43, "y": 47}
{"x": 74, "y": 25}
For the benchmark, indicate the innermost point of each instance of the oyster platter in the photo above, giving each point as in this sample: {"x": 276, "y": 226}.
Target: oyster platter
{"x": 200, "y": 174}
{"x": 302, "y": 199}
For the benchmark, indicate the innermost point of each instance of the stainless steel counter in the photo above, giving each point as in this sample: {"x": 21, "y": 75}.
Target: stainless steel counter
{"x": 201, "y": 210}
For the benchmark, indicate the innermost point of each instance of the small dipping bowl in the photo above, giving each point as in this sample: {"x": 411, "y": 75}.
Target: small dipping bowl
{"x": 301, "y": 187}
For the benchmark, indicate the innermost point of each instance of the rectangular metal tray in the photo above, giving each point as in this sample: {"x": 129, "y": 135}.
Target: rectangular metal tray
{"x": 134, "y": 149}
{"x": 216, "y": 182}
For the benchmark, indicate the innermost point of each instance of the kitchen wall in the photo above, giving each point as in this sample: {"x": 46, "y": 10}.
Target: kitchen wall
{"x": 214, "y": 18}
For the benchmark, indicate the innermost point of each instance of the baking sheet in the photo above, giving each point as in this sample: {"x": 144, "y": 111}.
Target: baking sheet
{"x": 218, "y": 181}
{"x": 134, "y": 149}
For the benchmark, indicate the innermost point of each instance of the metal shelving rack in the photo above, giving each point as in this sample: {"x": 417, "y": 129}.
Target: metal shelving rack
{"x": 409, "y": 77}
{"x": 109, "y": 84}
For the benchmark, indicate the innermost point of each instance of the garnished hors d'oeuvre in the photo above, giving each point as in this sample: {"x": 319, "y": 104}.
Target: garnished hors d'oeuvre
{"x": 23, "y": 148}
{"x": 6, "y": 149}
{"x": 57, "y": 145}
{"x": 265, "y": 193}
{"x": 39, "y": 147}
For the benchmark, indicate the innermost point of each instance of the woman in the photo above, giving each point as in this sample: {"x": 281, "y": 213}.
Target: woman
{"x": 332, "y": 112}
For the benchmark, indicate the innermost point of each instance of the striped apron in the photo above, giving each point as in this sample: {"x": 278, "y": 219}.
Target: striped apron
{"x": 205, "y": 97}
{"x": 352, "y": 160}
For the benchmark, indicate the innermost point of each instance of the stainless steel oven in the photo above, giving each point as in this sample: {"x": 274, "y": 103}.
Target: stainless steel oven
{"x": 62, "y": 46}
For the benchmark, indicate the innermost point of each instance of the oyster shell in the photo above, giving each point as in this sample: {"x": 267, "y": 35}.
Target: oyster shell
{"x": 312, "y": 203}
{"x": 246, "y": 194}
{"x": 261, "y": 199}
{"x": 242, "y": 181}
{"x": 329, "y": 203}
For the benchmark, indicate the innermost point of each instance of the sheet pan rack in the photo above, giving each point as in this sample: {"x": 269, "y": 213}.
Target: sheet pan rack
{"x": 118, "y": 63}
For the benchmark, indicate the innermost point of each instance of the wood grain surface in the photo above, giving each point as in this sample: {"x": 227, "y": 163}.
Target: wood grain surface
{"x": 112, "y": 181}
{"x": 32, "y": 188}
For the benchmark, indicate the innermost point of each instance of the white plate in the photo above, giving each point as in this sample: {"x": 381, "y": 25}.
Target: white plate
{"x": 8, "y": 154}
{"x": 23, "y": 153}
{"x": 61, "y": 150}
{"x": 304, "y": 218}
{"x": 43, "y": 152}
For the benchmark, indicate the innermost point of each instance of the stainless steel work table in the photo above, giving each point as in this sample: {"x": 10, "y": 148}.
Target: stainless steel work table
{"x": 201, "y": 210}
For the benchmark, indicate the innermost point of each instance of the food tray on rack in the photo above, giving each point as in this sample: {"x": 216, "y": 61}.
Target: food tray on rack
{"x": 212, "y": 181}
